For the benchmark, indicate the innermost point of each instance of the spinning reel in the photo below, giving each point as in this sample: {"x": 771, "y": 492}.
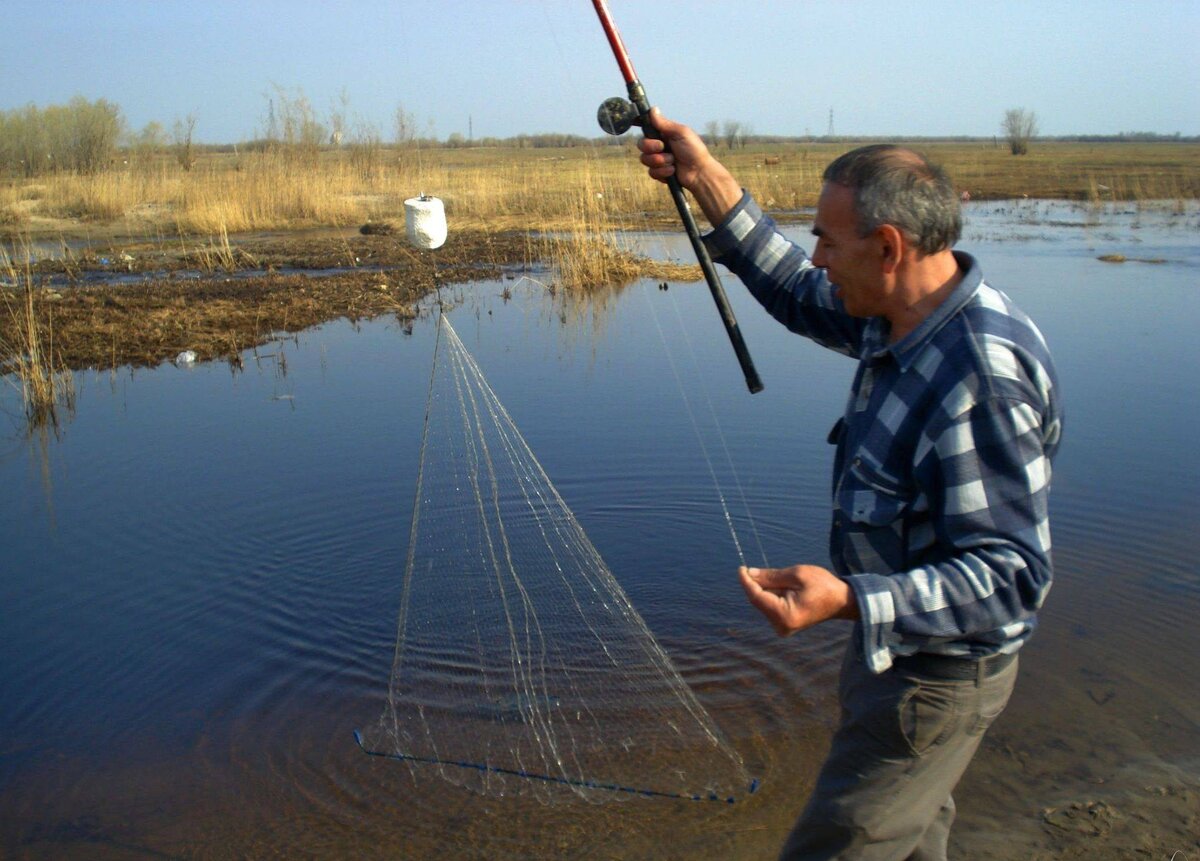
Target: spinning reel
{"x": 617, "y": 115}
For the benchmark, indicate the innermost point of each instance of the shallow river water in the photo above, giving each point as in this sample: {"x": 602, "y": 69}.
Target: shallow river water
{"x": 201, "y": 576}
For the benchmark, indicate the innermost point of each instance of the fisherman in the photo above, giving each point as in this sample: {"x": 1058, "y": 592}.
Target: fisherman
{"x": 940, "y": 541}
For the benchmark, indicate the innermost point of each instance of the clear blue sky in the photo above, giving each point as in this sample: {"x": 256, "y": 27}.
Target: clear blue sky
{"x": 512, "y": 66}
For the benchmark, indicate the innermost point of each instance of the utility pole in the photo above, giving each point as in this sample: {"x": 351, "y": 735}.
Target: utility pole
{"x": 829, "y": 133}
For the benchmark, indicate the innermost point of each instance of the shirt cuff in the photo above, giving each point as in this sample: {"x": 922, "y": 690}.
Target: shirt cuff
{"x": 733, "y": 227}
{"x": 877, "y": 616}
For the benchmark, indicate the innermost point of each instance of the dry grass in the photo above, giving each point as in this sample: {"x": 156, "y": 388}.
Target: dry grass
{"x": 578, "y": 198}
{"x": 218, "y": 254}
{"x": 1140, "y": 172}
{"x": 31, "y": 361}
{"x": 586, "y": 250}
{"x": 543, "y": 189}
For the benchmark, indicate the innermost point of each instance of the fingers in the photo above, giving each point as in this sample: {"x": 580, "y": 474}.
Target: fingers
{"x": 660, "y": 164}
{"x": 662, "y": 173}
{"x": 749, "y": 584}
{"x": 651, "y": 146}
{"x": 655, "y": 154}
{"x": 798, "y": 597}
{"x": 776, "y": 578}
{"x": 772, "y": 605}
{"x": 665, "y": 127}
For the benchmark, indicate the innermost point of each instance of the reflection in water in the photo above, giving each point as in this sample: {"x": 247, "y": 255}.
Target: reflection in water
{"x": 189, "y": 645}
{"x": 584, "y": 315}
{"x": 28, "y": 358}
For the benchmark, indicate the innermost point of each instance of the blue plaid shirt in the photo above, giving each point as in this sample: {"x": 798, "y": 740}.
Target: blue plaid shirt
{"x": 942, "y": 471}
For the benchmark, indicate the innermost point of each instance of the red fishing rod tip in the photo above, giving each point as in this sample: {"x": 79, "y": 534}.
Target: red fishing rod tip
{"x": 614, "y": 41}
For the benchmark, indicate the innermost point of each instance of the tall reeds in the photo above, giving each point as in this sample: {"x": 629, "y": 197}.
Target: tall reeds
{"x": 537, "y": 188}
{"x": 584, "y": 252}
{"x": 588, "y": 252}
{"x": 219, "y": 254}
{"x": 46, "y": 385}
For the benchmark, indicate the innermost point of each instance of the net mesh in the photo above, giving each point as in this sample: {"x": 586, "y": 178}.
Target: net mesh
{"x": 521, "y": 667}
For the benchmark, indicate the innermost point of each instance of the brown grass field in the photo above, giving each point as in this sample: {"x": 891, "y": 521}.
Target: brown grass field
{"x": 531, "y": 189}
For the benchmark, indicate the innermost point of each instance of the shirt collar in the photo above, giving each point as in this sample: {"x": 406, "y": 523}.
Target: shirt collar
{"x": 875, "y": 343}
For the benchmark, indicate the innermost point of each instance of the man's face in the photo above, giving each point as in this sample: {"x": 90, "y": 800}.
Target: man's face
{"x": 854, "y": 264}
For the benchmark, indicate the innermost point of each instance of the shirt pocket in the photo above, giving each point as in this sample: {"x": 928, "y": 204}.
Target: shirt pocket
{"x": 870, "y": 497}
{"x": 870, "y": 524}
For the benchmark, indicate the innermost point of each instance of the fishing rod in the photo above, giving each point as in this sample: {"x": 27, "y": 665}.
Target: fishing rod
{"x": 616, "y": 116}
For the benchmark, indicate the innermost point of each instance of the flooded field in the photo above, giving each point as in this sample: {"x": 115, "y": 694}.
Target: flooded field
{"x": 202, "y": 573}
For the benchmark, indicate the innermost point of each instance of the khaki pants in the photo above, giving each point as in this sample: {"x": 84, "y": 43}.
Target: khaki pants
{"x": 884, "y": 792}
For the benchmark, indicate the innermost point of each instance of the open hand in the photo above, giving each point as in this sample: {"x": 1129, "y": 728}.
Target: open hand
{"x": 798, "y": 597}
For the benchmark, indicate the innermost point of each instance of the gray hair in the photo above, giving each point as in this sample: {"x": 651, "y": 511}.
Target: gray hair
{"x": 897, "y": 186}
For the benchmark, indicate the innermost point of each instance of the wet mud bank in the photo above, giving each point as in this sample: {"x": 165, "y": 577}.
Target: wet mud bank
{"x": 142, "y": 303}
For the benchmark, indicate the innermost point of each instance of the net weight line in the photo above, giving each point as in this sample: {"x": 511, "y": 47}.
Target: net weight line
{"x": 587, "y": 784}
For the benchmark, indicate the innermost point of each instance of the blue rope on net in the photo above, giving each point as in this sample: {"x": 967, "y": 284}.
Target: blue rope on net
{"x": 586, "y": 784}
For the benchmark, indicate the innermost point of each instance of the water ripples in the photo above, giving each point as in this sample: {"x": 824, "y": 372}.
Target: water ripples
{"x": 192, "y": 639}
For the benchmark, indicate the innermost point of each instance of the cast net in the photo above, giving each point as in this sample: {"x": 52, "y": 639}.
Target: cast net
{"x": 521, "y": 667}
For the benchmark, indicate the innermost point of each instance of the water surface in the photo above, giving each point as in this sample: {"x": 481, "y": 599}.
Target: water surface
{"x": 201, "y": 577}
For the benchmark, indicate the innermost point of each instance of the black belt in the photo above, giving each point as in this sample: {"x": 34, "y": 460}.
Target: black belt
{"x": 951, "y": 668}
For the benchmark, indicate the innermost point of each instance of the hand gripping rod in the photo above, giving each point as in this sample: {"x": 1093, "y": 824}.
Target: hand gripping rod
{"x": 614, "y": 121}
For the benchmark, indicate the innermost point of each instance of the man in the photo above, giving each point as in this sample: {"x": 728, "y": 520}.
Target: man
{"x": 940, "y": 538}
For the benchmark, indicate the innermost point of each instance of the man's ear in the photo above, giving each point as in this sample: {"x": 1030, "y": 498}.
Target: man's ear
{"x": 892, "y": 246}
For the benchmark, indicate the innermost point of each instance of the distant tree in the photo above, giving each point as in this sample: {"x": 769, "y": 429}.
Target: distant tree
{"x": 732, "y": 131}
{"x": 1020, "y": 126}
{"x": 337, "y": 119}
{"x": 293, "y": 129}
{"x": 712, "y": 133}
{"x": 366, "y": 147}
{"x": 181, "y": 137}
{"x": 88, "y": 133}
{"x": 25, "y": 147}
{"x": 81, "y": 136}
{"x": 148, "y": 143}
{"x": 406, "y": 126}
